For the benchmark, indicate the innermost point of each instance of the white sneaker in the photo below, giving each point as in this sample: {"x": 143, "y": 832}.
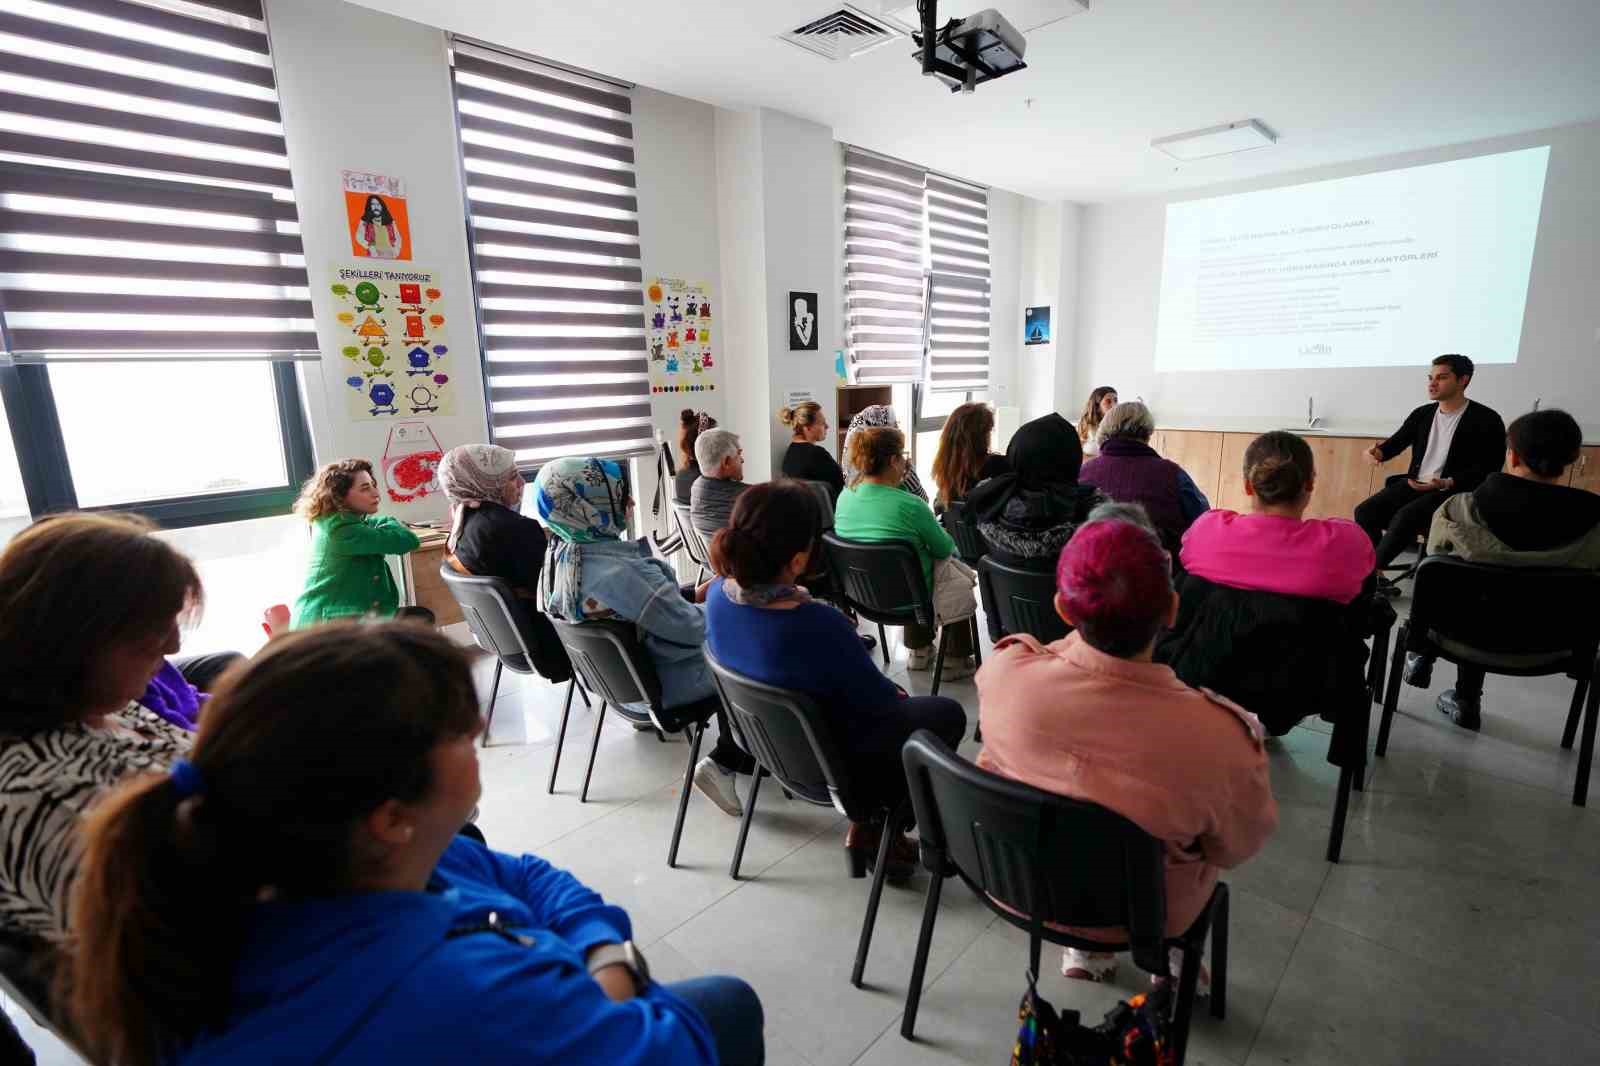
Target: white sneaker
{"x": 919, "y": 658}
{"x": 956, "y": 669}
{"x": 718, "y": 786}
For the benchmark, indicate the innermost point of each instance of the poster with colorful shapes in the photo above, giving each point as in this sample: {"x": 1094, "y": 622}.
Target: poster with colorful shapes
{"x": 375, "y": 211}
{"x": 398, "y": 354}
{"x": 680, "y": 333}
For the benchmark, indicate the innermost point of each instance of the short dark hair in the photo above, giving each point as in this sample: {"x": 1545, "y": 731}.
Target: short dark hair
{"x": 1459, "y": 365}
{"x": 1547, "y": 442}
{"x": 771, "y": 523}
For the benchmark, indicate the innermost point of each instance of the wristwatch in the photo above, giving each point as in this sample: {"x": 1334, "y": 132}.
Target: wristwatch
{"x": 625, "y": 955}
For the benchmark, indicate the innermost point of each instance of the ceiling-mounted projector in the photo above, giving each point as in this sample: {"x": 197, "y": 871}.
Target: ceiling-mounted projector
{"x": 967, "y": 52}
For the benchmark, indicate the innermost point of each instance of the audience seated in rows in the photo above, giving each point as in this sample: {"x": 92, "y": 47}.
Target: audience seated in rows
{"x": 348, "y": 576}
{"x": 1275, "y": 607}
{"x": 1099, "y": 404}
{"x": 592, "y": 572}
{"x": 260, "y": 903}
{"x": 762, "y": 624}
{"x": 90, "y": 606}
{"x": 806, "y": 459}
{"x": 721, "y": 459}
{"x": 1524, "y": 516}
{"x": 876, "y": 508}
{"x": 963, "y": 458}
{"x": 491, "y": 537}
{"x": 879, "y": 416}
{"x": 691, "y": 424}
{"x": 1025, "y": 516}
{"x": 1129, "y": 470}
{"x": 1091, "y": 717}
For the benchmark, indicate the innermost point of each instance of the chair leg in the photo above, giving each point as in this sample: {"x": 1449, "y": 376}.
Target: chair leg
{"x": 1188, "y": 981}
{"x": 1391, "y": 692}
{"x": 1570, "y": 732}
{"x": 494, "y": 691}
{"x": 594, "y": 746}
{"x": 1580, "y": 787}
{"x": 583, "y": 695}
{"x": 561, "y": 736}
{"x": 977, "y": 642}
{"x": 891, "y": 826}
{"x": 883, "y": 643}
{"x": 919, "y": 965}
{"x": 1219, "y": 952}
{"x": 938, "y": 659}
{"x": 744, "y": 823}
{"x": 697, "y": 732}
{"x": 1341, "y": 804}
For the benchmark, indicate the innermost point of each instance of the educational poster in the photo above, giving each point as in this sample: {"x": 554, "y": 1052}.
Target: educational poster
{"x": 397, "y": 350}
{"x": 375, "y": 210}
{"x": 802, "y": 321}
{"x": 679, "y": 331}
{"x": 1036, "y": 325}
{"x": 410, "y": 464}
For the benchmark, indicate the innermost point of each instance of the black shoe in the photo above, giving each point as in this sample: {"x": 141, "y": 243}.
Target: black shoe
{"x": 1388, "y": 588}
{"x": 868, "y": 641}
{"x": 1419, "y": 671}
{"x": 1464, "y": 711}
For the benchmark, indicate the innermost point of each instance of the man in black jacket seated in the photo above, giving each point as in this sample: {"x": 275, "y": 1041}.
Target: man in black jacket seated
{"x": 1454, "y": 444}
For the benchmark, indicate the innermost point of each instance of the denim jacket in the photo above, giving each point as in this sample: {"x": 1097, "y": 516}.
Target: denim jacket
{"x": 635, "y": 585}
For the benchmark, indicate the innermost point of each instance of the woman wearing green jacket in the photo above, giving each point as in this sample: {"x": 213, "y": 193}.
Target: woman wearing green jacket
{"x": 349, "y": 576}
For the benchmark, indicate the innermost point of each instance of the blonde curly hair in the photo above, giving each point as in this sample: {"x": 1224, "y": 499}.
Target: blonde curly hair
{"x": 324, "y": 492}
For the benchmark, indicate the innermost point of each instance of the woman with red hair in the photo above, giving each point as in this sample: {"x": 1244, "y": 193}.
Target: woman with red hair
{"x": 1092, "y": 717}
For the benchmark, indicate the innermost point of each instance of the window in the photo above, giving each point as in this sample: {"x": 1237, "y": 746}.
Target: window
{"x": 553, "y": 227}
{"x": 916, "y": 275}
{"x": 152, "y": 280}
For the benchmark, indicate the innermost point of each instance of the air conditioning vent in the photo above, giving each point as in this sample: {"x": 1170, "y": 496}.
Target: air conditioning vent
{"x": 842, "y": 34}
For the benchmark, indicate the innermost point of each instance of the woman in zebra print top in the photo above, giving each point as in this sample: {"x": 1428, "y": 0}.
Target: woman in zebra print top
{"x": 90, "y": 605}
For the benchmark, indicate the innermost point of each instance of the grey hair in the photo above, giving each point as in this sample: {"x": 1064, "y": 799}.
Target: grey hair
{"x": 1132, "y": 419}
{"x": 713, "y": 446}
{"x": 1113, "y": 511}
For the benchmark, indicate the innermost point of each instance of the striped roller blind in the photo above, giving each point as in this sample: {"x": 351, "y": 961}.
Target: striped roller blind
{"x": 554, "y": 224}
{"x": 146, "y": 210}
{"x": 958, "y": 285}
{"x": 884, "y": 243}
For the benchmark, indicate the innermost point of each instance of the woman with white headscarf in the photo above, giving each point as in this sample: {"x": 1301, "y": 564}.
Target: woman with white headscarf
{"x": 490, "y": 537}
{"x": 879, "y": 415}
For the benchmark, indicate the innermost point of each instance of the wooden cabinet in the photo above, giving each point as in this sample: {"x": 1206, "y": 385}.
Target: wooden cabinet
{"x": 421, "y": 584}
{"x": 851, "y": 400}
{"x": 1586, "y": 471}
{"x": 1345, "y": 476}
{"x": 1230, "y": 492}
{"x": 1200, "y": 453}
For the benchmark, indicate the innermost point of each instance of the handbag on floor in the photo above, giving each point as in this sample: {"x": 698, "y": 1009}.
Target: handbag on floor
{"x": 1136, "y": 1032}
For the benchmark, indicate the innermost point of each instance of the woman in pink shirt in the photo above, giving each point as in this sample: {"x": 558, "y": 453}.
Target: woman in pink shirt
{"x": 1091, "y": 717}
{"x": 1275, "y": 548}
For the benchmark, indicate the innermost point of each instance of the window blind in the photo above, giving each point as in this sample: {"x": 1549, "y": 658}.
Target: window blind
{"x": 146, "y": 210}
{"x": 958, "y": 285}
{"x": 554, "y": 228}
{"x": 884, "y": 251}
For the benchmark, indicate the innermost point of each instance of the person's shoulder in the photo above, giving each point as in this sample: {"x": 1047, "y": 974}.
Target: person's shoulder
{"x": 1253, "y": 731}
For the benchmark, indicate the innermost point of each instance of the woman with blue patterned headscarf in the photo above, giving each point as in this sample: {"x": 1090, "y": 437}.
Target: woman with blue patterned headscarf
{"x": 592, "y": 571}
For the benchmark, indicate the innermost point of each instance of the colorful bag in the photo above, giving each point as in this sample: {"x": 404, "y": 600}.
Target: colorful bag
{"x": 1136, "y": 1032}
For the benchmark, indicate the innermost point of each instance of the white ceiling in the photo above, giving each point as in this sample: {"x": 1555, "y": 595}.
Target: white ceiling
{"x": 1338, "y": 80}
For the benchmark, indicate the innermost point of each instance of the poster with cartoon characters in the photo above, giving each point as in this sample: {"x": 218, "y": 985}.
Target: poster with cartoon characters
{"x": 680, "y": 335}
{"x": 375, "y": 212}
{"x": 396, "y": 351}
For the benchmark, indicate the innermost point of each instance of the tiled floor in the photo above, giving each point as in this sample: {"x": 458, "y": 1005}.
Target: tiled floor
{"x": 1461, "y": 926}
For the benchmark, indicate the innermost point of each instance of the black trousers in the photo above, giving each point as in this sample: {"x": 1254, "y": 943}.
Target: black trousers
{"x": 1395, "y": 515}
{"x": 1469, "y": 678}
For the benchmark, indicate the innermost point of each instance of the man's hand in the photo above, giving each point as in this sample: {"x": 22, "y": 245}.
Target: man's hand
{"x": 1438, "y": 484}
{"x": 1375, "y": 455}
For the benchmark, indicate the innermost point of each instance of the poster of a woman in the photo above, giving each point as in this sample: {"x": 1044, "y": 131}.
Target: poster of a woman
{"x": 376, "y": 209}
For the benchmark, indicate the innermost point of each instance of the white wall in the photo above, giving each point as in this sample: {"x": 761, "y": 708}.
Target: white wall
{"x": 1121, "y": 282}
{"x": 1005, "y": 295}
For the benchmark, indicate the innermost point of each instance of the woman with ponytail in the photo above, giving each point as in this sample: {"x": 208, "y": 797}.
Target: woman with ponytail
{"x": 762, "y": 624}
{"x": 297, "y": 891}
{"x": 691, "y": 424}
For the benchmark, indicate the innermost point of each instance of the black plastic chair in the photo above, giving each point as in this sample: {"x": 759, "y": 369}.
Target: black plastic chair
{"x": 968, "y": 544}
{"x": 1515, "y": 621}
{"x": 609, "y": 661}
{"x": 1020, "y": 601}
{"x": 694, "y": 544}
{"x": 883, "y": 582}
{"x": 787, "y": 736}
{"x": 1034, "y": 858}
{"x": 499, "y": 624}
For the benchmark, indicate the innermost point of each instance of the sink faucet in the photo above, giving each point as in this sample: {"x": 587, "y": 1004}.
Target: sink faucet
{"x": 1312, "y": 421}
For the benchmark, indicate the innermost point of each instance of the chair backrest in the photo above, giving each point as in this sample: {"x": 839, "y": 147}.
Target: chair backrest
{"x": 497, "y": 620}
{"x": 693, "y": 541}
{"x": 610, "y": 662}
{"x": 1041, "y": 855}
{"x": 1023, "y": 601}
{"x": 968, "y": 544}
{"x": 785, "y": 732}
{"x": 1507, "y": 610}
{"x": 882, "y": 580}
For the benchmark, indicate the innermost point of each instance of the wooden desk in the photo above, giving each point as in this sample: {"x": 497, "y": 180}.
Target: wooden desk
{"x": 420, "y": 584}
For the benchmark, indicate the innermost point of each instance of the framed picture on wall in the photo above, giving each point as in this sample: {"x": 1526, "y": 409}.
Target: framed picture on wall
{"x": 803, "y": 322}
{"x": 1036, "y": 325}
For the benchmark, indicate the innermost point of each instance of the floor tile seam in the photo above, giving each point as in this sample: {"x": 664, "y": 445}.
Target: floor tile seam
{"x": 1266, "y": 1011}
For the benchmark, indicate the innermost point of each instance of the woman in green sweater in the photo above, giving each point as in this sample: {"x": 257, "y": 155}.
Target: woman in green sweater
{"x": 876, "y": 508}
{"x": 348, "y": 576}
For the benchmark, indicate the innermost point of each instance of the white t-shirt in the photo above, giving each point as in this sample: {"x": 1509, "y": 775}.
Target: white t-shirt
{"x": 1439, "y": 438}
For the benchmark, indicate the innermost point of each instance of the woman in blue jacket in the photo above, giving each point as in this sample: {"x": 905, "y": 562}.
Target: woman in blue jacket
{"x": 264, "y": 904}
